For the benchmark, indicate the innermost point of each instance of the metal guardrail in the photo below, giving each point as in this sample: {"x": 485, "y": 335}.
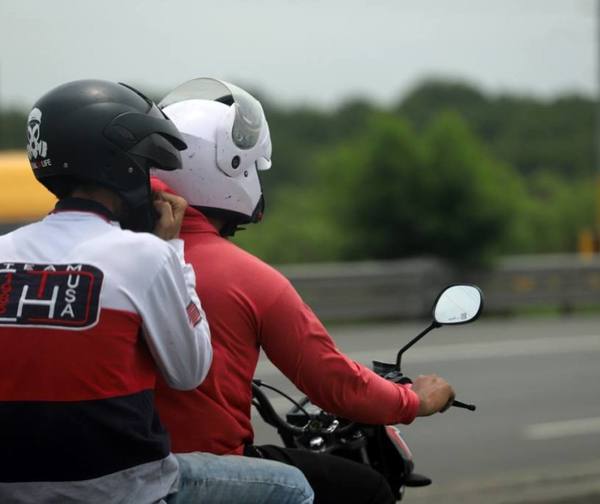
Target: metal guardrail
{"x": 406, "y": 288}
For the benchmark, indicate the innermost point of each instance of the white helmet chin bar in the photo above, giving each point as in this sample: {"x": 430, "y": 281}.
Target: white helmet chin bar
{"x": 228, "y": 141}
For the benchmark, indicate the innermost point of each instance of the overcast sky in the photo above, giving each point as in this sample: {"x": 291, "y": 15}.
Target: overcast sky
{"x": 299, "y": 50}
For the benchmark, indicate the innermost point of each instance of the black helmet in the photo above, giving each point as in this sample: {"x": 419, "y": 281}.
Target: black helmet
{"x": 103, "y": 133}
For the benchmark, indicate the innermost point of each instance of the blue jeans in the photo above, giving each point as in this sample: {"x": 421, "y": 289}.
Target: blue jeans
{"x": 228, "y": 479}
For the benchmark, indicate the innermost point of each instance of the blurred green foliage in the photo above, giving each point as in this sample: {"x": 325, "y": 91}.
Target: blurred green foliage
{"x": 447, "y": 171}
{"x": 12, "y": 129}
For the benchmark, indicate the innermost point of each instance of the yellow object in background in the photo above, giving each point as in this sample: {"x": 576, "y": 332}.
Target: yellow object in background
{"x": 586, "y": 244}
{"x": 22, "y": 197}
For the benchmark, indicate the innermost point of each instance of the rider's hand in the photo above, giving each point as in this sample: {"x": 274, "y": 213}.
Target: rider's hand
{"x": 170, "y": 209}
{"x": 435, "y": 394}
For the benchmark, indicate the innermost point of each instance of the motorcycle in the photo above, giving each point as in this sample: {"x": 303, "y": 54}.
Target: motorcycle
{"x": 308, "y": 427}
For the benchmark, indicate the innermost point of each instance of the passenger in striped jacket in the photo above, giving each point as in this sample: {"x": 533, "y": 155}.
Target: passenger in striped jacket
{"x": 96, "y": 302}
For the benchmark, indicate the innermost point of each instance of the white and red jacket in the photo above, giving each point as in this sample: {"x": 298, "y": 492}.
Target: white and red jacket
{"x": 90, "y": 314}
{"x": 250, "y": 306}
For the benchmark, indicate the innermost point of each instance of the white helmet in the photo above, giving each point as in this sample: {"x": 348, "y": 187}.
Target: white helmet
{"x": 228, "y": 141}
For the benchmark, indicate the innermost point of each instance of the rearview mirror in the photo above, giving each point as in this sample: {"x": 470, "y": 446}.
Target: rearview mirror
{"x": 458, "y": 304}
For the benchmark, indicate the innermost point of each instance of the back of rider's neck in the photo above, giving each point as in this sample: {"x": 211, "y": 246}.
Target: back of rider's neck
{"x": 109, "y": 199}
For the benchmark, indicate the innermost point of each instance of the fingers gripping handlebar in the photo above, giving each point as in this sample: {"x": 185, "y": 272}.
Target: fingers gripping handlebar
{"x": 392, "y": 373}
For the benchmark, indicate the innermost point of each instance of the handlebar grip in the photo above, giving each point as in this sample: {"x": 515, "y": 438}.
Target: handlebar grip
{"x": 460, "y": 404}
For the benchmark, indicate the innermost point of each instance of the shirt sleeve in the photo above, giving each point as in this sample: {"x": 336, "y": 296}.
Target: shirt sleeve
{"x": 298, "y": 344}
{"x": 175, "y": 325}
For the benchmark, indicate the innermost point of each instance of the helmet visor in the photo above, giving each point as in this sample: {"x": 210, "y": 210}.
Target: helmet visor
{"x": 249, "y": 115}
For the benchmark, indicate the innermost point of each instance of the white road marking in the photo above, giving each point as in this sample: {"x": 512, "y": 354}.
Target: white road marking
{"x": 466, "y": 351}
{"x": 554, "y": 430}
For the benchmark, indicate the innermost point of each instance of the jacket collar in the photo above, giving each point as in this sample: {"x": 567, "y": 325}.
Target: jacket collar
{"x": 84, "y": 205}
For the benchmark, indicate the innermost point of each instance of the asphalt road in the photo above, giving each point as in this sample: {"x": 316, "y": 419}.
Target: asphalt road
{"x": 535, "y": 381}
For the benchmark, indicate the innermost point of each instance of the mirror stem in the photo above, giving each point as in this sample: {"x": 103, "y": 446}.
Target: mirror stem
{"x": 433, "y": 325}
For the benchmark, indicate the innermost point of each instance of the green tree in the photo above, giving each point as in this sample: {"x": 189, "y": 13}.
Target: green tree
{"x": 401, "y": 195}
{"x": 553, "y": 214}
{"x": 474, "y": 198}
{"x": 529, "y": 133}
{"x": 295, "y": 229}
{"x": 13, "y": 129}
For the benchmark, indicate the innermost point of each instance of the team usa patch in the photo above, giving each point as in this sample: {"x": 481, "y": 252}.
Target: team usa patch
{"x": 193, "y": 313}
{"x": 62, "y": 295}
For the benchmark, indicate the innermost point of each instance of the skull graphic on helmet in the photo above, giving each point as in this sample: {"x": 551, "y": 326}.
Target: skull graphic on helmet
{"x": 35, "y": 146}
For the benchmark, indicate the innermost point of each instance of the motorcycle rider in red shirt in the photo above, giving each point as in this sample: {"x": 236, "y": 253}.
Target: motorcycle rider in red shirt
{"x": 250, "y": 305}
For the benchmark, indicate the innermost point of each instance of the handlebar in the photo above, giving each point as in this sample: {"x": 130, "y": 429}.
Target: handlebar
{"x": 268, "y": 413}
{"x": 271, "y": 417}
{"x": 392, "y": 373}
{"x": 262, "y": 403}
{"x": 460, "y": 404}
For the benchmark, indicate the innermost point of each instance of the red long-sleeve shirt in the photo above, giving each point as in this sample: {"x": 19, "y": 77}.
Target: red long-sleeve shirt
{"x": 250, "y": 305}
